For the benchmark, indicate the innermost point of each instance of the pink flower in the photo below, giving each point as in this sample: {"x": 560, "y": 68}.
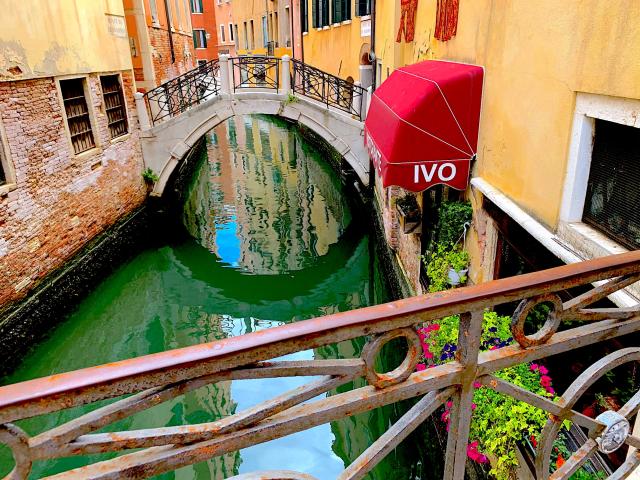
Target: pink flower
{"x": 477, "y": 384}
{"x": 449, "y": 404}
{"x": 550, "y": 390}
{"x": 435, "y": 327}
{"x": 473, "y": 406}
{"x": 545, "y": 381}
{"x": 420, "y": 367}
{"x": 534, "y": 367}
{"x": 542, "y": 370}
{"x": 428, "y": 354}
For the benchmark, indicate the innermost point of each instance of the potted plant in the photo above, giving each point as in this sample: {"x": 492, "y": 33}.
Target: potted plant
{"x": 150, "y": 178}
{"x": 446, "y": 267}
{"x": 409, "y": 214}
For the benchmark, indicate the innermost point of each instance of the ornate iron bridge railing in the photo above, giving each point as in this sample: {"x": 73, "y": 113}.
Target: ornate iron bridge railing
{"x": 140, "y": 383}
{"x": 182, "y": 93}
{"x": 328, "y": 89}
{"x": 253, "y": 72}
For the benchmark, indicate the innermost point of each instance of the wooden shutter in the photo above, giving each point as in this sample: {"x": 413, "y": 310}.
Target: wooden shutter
{"x": 337, "y": 11}
{"x": 77, "y": 111}
{"x": 114, "y": 105}
{"x": 363, "y": 7}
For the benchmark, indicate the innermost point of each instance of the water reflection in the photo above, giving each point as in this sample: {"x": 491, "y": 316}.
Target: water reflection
{"x": 271, "y": 240}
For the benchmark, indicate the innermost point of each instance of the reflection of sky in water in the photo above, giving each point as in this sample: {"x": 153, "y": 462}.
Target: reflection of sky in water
{"x": 304, "y": 451}
{"x": 227, "y": 241}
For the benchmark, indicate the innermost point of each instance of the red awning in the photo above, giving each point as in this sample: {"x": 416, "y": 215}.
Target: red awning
{"x": 422, "y": 125}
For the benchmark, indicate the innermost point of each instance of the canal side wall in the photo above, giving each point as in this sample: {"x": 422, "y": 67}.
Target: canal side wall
{"x": 56, "y": 201}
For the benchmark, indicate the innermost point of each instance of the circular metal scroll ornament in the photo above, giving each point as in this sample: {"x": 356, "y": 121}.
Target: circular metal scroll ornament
{"x": 615, "y": 433}
{"x": 402, "y": 372}
{"x": 18, "y": 441}
{"x": 548, "y": 329}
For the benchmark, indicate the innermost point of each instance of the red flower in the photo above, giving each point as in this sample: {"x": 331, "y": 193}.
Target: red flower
{"x": 420, "y": 367}
{"x": 545, "y": 381}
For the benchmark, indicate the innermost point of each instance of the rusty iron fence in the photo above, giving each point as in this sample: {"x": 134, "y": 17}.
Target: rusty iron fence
{"x": 140, "y": 383}
{"x": 183, "y": 92}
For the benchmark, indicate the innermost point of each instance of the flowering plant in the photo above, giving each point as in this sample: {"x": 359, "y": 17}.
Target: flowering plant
{"x": 499, "y": 421}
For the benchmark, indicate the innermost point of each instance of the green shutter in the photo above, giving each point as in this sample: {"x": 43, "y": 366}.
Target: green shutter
{"x": 195, "y": 45}
{"x": 315, "y": 13}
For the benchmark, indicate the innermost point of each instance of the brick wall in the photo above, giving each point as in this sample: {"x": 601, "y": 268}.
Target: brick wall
{"x": 406, "y": 246}
{"x": 161, "y": 54}
{"x": 61, "y": 201}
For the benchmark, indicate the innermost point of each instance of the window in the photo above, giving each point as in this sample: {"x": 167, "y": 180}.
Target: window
{"x": 612, "y": 203}
{"x": 341, "y": 10}
{"x": 196, "y": 6}
{"x": 77, "y": 113}
{"x": 265, "y": 32}
{"x": 200, "y": 39}
{"x": 231, "y": 36}
{"x": 253, "y": 35}
{"x": 114, "y": 105}
{"x": 320, "y": 13}
{"x": 3, "y": 175}
{"x": 223, "y": 38}
{"x": 235, "y": 35}
{"x": 246, "y": 37}
{"x": 276, "y": 29}
{"x": 363, "y": 7}
{"x": 304, "y": 15}
{"x": 154, "y": 11}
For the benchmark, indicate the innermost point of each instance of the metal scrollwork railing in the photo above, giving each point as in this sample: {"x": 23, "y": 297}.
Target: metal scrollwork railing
{"x": 255, "y": 72}
{"x": 328, "y": 89}
{"x": 182, "y": 93}
{"x": 154, "y": 379}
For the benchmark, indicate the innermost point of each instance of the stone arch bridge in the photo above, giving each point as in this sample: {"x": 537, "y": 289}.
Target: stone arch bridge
{"x": 176, "y": 114}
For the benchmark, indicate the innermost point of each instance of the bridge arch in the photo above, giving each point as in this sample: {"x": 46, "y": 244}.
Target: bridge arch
{"x": 165, "y": 145}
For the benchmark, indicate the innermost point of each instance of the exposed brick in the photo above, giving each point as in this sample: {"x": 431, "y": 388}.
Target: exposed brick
{"x": 183, "y": 48}
{"x": 60, "y": 202}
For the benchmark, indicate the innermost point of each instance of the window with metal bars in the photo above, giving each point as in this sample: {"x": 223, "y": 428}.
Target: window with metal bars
{"x": 363, "y": 7}
{"x": 320, "y": 13}
{"x": 114, "y": 105}
{"x": 612, "y": 203}
{"x": 77, "y": 112}
{"x": 341, "y": 10}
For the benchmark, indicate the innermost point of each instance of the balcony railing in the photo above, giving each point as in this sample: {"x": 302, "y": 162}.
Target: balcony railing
{"x": 253, "y": 72}
{"x": 141, "y": 383}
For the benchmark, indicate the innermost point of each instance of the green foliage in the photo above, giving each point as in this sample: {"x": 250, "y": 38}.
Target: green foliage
{"x": 451, "y": 219}
{"x": 408, "y": 204}
{"x": 150, "y": 176}
{"x": 439, "y": 263}
{"x": 291, "y": 98}
{"x": 499, "y": 421}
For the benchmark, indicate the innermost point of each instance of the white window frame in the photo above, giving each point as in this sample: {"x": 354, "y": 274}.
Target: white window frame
{"x": 199, "y": 4}
{"x": 588, "y": 241}
{"x": 222, "y": 35}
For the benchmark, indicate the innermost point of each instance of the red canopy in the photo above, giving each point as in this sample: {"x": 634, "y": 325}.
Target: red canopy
{"x": 422, "y": 125}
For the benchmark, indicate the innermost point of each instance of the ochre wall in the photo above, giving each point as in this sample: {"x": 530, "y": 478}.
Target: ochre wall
{"x": 247, "y": 10}
{"x": 42, "y": 38}
{"x": 537, "y": 55}
{"x": 335, "y": 49}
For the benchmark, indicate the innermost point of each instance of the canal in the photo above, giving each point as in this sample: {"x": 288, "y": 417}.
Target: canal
{"x": 265, "y": 237}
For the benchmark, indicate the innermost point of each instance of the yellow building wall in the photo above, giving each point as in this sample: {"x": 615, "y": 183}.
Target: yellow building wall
{"x": 536, "y": 55}
{"x": 336, "y": 48}
{"x": 247, "y": 10}
{"x": 41, "y": 38}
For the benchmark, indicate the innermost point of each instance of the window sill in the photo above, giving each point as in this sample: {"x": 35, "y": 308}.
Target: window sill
{"x": 337, "y": 24}
{"x": 304, "y": 34}
{"x": 121, "y": 138}
{"x": 326, "y": 27}
{"x": 84, "y": 156}
{"x": 365, "y": 17}
{"x": 346, "y": 22}
{"x": 587, "y": 241}
{"x": 6, "y": 188}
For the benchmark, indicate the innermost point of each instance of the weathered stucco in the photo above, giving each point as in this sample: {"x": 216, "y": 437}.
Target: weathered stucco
{"x": 537, "y": 55}
{"x": 60, "y": 38}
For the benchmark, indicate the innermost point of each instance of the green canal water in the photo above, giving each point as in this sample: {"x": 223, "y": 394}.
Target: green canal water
{"x": 267, "y": 238}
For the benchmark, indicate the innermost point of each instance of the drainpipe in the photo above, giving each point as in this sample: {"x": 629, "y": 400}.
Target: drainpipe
{"x": 373, "y": 44}
{"x": 306, "y": 6}
{"x": 291, "y": 35}
{"x": 168, "y": 15}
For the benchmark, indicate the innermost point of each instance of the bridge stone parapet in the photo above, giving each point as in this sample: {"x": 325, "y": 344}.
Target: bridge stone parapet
{"x": 165, "y": 144}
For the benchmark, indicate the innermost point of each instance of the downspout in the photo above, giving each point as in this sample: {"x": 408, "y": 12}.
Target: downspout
{"x": 168, "y": 15}
{"x": 293, "y": 42}
{"x": 373, "y": 44}
{"x": 302, "y": 27}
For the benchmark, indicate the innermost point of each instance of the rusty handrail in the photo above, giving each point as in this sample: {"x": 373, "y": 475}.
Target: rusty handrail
{"x": 322, "y": 330}
{"x": 158, "y": 377}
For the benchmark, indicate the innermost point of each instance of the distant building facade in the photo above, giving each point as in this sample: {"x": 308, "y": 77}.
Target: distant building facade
{"x": 160, "y": 40}
{"x": 203, "y": 21}
{"x": 227, "y": 31}
{"x": 70, "y": 158}
{"x": 264, "y": 28}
